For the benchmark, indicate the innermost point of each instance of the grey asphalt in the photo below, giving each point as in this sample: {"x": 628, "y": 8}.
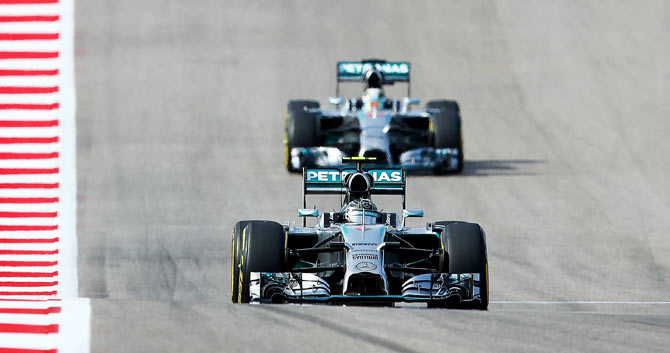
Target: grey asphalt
{"x": 566, "y": 118}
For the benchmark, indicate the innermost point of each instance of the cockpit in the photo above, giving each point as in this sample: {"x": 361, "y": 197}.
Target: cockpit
{"x": 361, "y": 211}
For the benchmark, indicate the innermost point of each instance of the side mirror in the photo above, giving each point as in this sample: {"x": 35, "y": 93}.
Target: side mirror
{"x": 335, "y": 100}
{"x": 412, "y": 213}
{"x": 409, "y": 101}
{"x": 308, "y": 212}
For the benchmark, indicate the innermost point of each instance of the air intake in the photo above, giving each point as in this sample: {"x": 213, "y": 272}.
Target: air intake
{"x": 359, "y": 183}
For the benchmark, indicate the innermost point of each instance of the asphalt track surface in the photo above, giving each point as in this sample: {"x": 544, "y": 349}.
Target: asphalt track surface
{"x": 566, "y": 109}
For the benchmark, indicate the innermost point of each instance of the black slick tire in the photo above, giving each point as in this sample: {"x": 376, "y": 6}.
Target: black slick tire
{"x": 301, "y": 127}
{"x": 465, "y": 244}
{"x": 261, "y": 250}
{"x": 235, "y": 257}
{"x": 447, "y": 128}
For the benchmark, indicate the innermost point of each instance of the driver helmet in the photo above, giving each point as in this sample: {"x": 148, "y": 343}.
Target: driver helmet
{"x": 374, "y": 79}
{"x": 361, "y": 210}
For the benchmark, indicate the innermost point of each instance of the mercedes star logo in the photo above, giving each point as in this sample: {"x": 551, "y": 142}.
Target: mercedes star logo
{"x": 365, "y": 266}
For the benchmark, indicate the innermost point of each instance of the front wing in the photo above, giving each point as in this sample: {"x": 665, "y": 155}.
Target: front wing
{"x": 436, "y": 289}
{"x": 445, "y": 159}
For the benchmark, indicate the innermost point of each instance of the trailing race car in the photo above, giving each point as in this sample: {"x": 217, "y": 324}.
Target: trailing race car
{"x": 359, "y": 254}
{"x": 374, "y": 125}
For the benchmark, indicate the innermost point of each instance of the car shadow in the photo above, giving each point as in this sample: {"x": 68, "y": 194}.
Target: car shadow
{"x": 491, "y": 167}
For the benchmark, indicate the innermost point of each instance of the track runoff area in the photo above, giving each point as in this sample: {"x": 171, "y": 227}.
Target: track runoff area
{"x": 39, "y": 308}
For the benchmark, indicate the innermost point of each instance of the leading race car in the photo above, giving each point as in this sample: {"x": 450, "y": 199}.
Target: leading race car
{"x": 359, "y": 254}
{"x": 374, "y": 125}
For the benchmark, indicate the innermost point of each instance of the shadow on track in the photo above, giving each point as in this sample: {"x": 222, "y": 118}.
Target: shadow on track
{"x": 353, "y": 332}
{"x": 500, "y": 167}
{"x": 490, "y": 167}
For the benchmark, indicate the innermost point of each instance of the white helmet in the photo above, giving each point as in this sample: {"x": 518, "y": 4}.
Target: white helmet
{"x": 361, "y": 210}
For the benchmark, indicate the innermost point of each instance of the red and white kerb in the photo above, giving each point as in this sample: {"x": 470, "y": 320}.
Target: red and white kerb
{"x": 38, "y": 286}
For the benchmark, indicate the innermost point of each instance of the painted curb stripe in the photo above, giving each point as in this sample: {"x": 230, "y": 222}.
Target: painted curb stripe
{"x": 27, "y": 2}
{"x": 28, "y": 252}
{"x": 45, "y": 311}
{"x": 28, "y": 263}
{"x": 51, "y": 106}
{"x": 11, "y": 155}
{"x": 21, "y": 328}
{"x": 29, "y": 274}
{"x": 27, "y": 72}
{"x": 28, "y": 241}
{"x": 31, "y": 18}
{"x": 40, "y": 294}
{"x": 8, "y": 140}
{"x": 10, "y": 171}
{"x": 28, "y": 214}
{"x": 29, "y": 186}
{"x": 27, "y": 284}
{"x": 28, "y": 123}
{"x": 28, "y": 36}
{"x": 16, "y": 228}
{"x": 28, "y": 54}
{"x": 26, "y": 90}
{"x": 22, "y": 350}
{"x": 28, "y": 199}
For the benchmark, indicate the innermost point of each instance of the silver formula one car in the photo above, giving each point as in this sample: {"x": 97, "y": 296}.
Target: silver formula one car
{"x": 359, "y": 254}
{"x": 374, "y": 125}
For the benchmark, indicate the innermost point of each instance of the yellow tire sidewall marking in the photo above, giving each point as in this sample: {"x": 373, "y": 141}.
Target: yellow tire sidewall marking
{"x": 241, "y": 266}
{"x": 232, "y": 266}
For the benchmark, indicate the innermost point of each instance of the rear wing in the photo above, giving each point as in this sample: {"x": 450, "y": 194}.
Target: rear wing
{"x": 328, "y": 181}
{"x": 354, "y": 71}
{"x": 397, "y": 71}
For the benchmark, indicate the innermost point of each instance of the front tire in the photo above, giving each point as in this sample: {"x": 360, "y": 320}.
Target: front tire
{"x": 447, "y": 128}
{"x": 235, "y": 257}
{"x": 261, "y": 249}
{"x": 465, "y": 244}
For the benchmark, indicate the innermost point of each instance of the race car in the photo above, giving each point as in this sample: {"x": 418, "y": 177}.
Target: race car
{"x": 374, "y": 125}
{"x": 359, "y": 254}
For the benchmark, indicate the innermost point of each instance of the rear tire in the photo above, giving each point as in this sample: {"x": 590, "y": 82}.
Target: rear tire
{"x": 447, "y": 128}
{"x": 465, "y": 244}
{"x": 261, "y": 250}
{"x": 301, "y": 128}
